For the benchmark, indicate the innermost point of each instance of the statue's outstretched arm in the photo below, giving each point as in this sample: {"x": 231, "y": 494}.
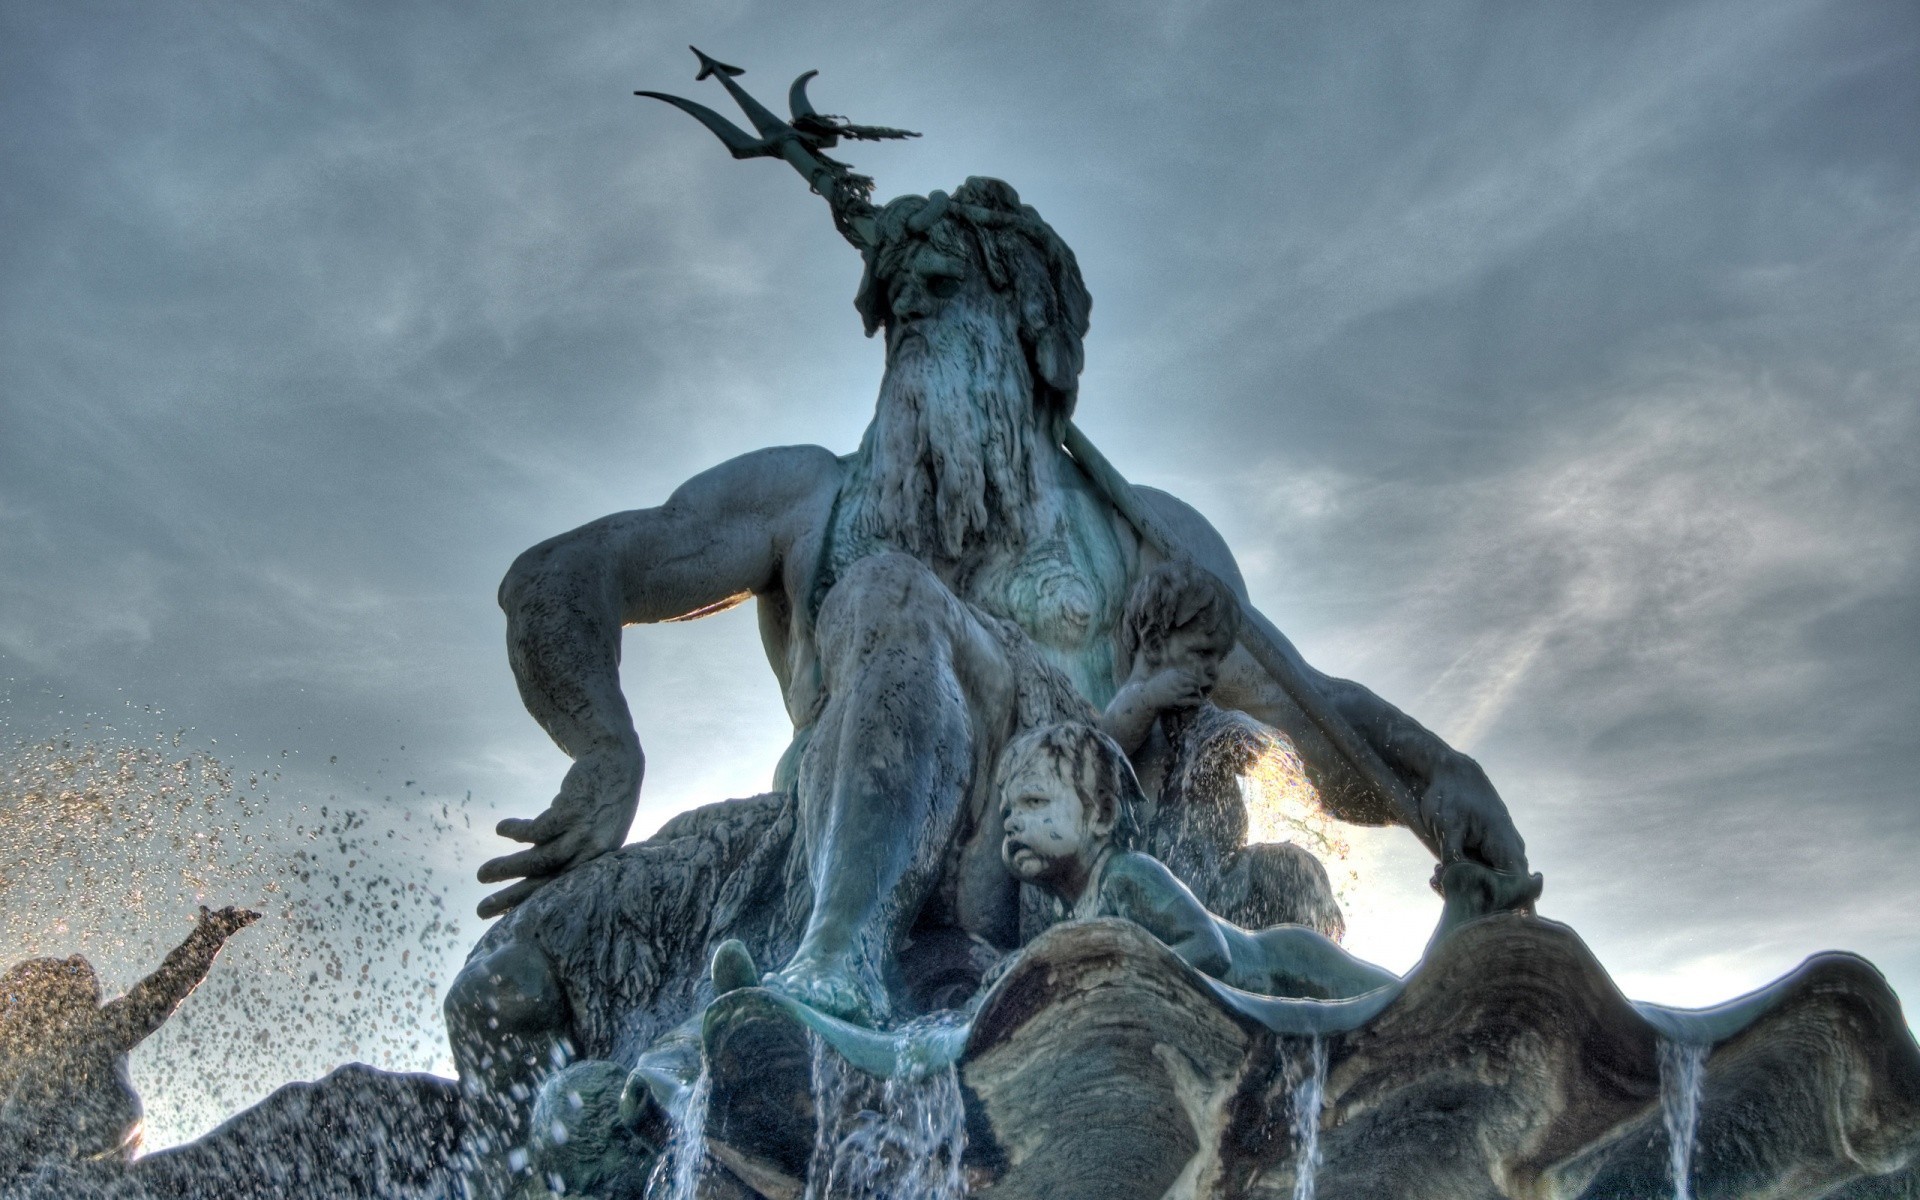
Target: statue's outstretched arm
{"x": 722, "y": 537}
{"x": 129, "y": 1020}
{"x": 1446, "y": 799}
{"x": 1437, "y": 792}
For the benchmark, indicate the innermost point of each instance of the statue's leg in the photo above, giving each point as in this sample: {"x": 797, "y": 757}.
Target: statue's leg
{"x": 917, "y": 690}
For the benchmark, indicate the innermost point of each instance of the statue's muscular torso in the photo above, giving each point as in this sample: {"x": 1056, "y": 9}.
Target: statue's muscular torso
{"x": 1066, "y": 589}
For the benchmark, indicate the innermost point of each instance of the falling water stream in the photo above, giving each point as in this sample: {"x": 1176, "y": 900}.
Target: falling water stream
{"x": 908, "y": 1147}
{"x": 689, "y": 1142}
{"x": 1309, "y": 1096}
{"x": 1682, "y": 1066}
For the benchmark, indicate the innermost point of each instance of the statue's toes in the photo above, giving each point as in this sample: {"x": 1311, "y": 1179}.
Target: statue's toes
{"x": 836, "y": 993}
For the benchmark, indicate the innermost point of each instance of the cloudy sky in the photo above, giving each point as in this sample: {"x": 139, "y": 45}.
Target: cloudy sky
{"x": 1551, "y": 368}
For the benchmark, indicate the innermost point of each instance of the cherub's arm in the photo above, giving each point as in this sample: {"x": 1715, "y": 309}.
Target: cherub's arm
{"x": 1140, "y": 701}
{"x": 129, "y": 1020}
{"x": 1139, "y": 888}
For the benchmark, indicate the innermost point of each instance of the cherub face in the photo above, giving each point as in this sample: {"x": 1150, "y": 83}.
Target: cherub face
{"x": 1192, "y": 649}
{"x": 1050, "y": 832}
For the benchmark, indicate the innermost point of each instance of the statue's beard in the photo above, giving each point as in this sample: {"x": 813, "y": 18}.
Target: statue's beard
{"x": 949, "y": 459}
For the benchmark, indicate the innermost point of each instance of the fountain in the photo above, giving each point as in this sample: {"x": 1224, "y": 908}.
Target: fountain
{"x": 1001, "y": 927}
{"x": 687, "y": 1149}
{"x": 911, "y": 1143}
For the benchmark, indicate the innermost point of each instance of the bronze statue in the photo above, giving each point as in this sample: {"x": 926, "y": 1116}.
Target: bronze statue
{"x": 954, "y": 581}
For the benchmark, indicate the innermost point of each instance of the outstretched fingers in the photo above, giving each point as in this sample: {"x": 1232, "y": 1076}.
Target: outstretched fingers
{"x": 543, "y": 828}
{"x": 588, "y": 818}
{"x": 534, "y": 867}
{"x": 510, "y": 897}
{"x": 548, "y": 858}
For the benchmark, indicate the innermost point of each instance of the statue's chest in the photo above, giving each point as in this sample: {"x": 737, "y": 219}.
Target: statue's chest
{"x": 1067, "y": 592}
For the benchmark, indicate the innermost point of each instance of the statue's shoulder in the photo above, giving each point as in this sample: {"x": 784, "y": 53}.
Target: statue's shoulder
{"x": 785, "y": 469}
{"x": 1196, "y": 535}
{"x": 789, "y": 488}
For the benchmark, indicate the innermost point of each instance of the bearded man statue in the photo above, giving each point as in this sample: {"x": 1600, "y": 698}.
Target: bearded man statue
{"x": 956, "y": 580}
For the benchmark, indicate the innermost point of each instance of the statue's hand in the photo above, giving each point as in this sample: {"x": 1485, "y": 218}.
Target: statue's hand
{"x": 589, "y": 817}
{"x": 226, "y": 922}
{"x": 1469, "y": 820}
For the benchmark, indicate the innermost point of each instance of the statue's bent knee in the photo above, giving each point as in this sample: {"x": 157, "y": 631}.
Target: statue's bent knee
{"x": 511, "y": 990}
{"x": 881, "y": 594}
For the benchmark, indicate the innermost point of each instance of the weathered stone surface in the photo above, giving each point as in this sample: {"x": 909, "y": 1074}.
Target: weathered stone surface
{"x": 761, "y": 1119}
{"x": 600, "y": 964}
{"x": 359, "y": 1132}
{"x": 1900, "y": 1185}
{"x": 628, "y": 934}
{"x": 622, "y": 947}
{"x": 1098, "y": 1078}
{"x": 1508, "y": 1065}
{"x": 1822, "y": 1088}
{"x": 1099, "y": 1064}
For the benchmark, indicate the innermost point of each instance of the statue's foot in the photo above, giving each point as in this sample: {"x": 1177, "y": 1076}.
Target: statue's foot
{"x": 830, "y": 986}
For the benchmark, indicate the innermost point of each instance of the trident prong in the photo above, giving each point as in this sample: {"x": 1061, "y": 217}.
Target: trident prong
{"x": 797, "y": 102}
{"x": 772, "y": 129}
{"x": 738, "y": 141}
{"x": 801, "y": 143}
{"x": 768, "y": 125}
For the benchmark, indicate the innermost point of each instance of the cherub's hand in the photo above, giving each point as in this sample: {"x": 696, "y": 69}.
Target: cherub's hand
{"x": 589, "y": 817}
{"x": 227, "y": 921}
{"x": 1172, "y": 688}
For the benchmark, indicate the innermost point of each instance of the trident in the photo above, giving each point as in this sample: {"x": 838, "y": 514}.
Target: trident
{"x": 802, "y": 142}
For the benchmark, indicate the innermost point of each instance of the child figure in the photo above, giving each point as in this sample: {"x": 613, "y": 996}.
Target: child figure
{"x": 64, "y": 1088}
{"x": 1179, "y": 624}
{"x": 1191, "y": 757}
{"x": 1068, "y": 798}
